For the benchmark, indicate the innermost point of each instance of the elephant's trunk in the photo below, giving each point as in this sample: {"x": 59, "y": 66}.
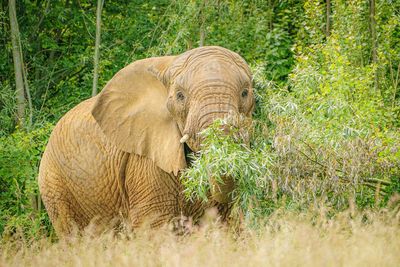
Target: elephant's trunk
{"x": 201, "y": 117}
{"x": 221, "y": 191}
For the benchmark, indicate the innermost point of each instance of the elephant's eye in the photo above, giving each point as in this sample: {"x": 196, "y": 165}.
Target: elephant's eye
{"x": 180, "y": 96}
{"x": 245, "y": 93}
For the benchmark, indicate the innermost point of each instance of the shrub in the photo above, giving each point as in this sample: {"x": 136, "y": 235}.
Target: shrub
{"x": 20, "y": 203}
{"x": 303, "y": 153}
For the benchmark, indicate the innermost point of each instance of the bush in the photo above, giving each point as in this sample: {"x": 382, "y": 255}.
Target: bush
{"x": 20, "y": 203}
{"x": 302, "y": 154}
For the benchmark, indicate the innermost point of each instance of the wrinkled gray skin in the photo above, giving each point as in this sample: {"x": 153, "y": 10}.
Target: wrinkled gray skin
{"x": 118, "y": 155}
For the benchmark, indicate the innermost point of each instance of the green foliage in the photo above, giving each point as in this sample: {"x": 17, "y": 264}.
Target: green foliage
{"x": 7, "y": 110}
{"x": 19, "y": 161}
{"x": 293, "y": 164}
{"x": 225, "y": 155}
{"x": 267, "y": 26}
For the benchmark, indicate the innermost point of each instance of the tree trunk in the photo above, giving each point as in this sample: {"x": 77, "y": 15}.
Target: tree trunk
{"x": 374, "y": 41}
{"x": 19, "y": 82}
{"x": 202, "y": 36}
{"x": 97, "y": 47}
{"x": 202, "y": 25}
{"x": 21, "y": 79}
{"x": 328, "y": 18}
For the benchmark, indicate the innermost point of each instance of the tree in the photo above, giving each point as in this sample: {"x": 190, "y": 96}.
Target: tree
{"x": 373, "y": 40}
{"x": 202, "y": 21}
{"x": 16, "y": 49}
{"x": 97, "y": 47}
{"x": 21, "y": 80}
{"x": 328, "y": 18}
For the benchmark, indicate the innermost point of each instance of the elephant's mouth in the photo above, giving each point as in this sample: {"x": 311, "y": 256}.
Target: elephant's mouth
{"x": 220, "y": 192}
{"x": 188, "y": 155}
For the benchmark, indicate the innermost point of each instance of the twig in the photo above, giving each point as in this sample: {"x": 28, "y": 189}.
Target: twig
{"x": 376, "y": 180}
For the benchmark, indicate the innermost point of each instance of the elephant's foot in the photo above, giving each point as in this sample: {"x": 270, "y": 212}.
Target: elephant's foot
{"x": 183, "y": 225}
{"x": 64, "y": 220}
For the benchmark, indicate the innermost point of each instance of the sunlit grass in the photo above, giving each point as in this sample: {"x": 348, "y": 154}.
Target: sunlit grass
{"x": 311, "y": 238}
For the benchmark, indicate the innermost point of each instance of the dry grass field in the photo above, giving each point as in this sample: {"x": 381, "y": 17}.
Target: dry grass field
{"x": 287, "y": 239}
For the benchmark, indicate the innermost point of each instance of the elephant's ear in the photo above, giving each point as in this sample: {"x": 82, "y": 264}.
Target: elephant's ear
{"x": 131, "y": 110}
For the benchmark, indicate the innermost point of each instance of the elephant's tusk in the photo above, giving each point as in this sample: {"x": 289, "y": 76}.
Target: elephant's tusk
{"x": 184, "y": 138}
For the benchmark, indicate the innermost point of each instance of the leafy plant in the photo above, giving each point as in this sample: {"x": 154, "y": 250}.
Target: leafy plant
{"x": 20, "y": 203}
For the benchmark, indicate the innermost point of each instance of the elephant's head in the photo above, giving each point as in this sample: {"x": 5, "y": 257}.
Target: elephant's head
{"x": 205, "y": 84}
{"x": 153, "y": 106}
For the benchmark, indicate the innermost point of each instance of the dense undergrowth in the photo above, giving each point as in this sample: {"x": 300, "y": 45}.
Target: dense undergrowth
{"x": 295, "y": 161}
{"x": 20, "y": 205}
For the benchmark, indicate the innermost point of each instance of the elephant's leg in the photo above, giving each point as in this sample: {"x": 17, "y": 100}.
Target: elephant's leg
{"x": 153, "y": 193}
{"x": 64, "y": 211}
{"x": 62, "y": 216}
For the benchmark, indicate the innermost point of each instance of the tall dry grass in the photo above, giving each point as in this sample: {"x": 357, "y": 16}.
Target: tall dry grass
{"x": 350, "y": 238}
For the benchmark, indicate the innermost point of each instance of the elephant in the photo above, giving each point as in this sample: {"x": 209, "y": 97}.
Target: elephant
{"x": 119, "y": 155}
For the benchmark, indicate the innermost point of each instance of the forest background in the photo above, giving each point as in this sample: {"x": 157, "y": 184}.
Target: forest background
{"x": 326, "y": 74}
